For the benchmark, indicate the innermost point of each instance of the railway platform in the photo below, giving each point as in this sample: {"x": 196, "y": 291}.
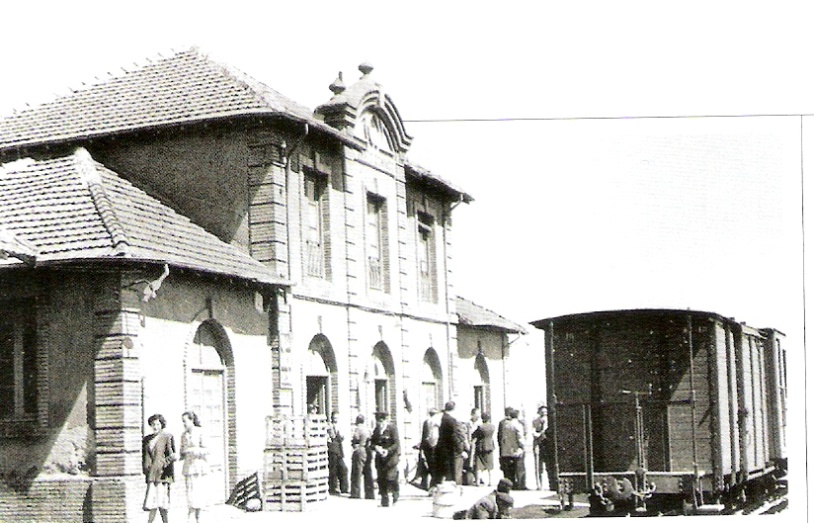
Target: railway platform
{"x": 413, "y": 503}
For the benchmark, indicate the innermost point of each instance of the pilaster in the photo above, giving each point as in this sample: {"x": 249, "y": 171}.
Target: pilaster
{"x": 118, "y": 486}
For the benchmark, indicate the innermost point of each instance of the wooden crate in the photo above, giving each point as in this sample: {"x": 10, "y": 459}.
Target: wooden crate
{"x": 295, "y": 463}
{"x": 296, "y": 431}
{"x": 246, "y": 489}
{"x": 294, "y": 496}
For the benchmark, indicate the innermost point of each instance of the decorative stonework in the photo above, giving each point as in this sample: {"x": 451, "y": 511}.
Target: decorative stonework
{"x": 366, "y": 112}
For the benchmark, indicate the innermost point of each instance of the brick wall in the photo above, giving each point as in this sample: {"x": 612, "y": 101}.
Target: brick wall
{"x": 47, "y": 500}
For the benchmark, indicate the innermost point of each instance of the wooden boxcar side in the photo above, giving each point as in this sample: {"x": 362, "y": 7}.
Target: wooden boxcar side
{"x": 694, "y": 399}
{"x": 775, "y": 357}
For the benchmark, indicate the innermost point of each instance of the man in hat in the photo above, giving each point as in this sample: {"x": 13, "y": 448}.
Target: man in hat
{"x": 385, "y": 443}
{"x": 337, "y": 470}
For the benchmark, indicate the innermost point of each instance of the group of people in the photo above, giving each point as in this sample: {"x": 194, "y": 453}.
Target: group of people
{"x": 463, "y": 451}
{"x": 449, "y": 450}
{"x": 380, "y": 448}
{"x": 158, "y": 462}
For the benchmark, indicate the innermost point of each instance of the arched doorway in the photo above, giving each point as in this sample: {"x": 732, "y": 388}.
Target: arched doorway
{"x": 383, "y": 381}
{"x": 483, "y": 400}
{"x": 321, "y": 377}
{"x": 431, "y": 381}
{"x": 210, "y": 394}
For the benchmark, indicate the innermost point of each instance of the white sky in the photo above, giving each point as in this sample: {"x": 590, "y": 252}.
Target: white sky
{"x": 569, "y": 216}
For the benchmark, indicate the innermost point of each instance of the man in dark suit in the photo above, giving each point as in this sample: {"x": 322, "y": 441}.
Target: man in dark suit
{"x": 510, "y": 442}
{"x": 452, "y": 446}
{"x": 385, "y": 443}
{"x": 427, "y": 474}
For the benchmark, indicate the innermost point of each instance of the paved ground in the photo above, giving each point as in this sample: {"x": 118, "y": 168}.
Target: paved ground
{"x": 413, "y": 503}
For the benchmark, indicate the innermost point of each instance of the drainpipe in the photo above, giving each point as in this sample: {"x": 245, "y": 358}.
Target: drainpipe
{"x": 447, "y": 323}
{"x": 288, "y": 154}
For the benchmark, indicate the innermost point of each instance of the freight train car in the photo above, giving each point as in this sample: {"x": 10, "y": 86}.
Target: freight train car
{"x": 674, "y": 404}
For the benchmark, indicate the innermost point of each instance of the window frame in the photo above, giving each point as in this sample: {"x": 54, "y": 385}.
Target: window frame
{"x": 316, "y": 255}
{"x": 378, "y": 265}
{"x": 427, "y": 280}
{"x": 29, "y": 369}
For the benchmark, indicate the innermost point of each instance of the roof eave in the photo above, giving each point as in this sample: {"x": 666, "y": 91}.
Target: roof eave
{"x": 111, "y": 260}
{"x": 110, "y": 133}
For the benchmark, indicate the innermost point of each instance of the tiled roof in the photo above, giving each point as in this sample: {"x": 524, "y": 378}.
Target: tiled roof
{"x": 72, "y": 208}
{"x": 473, "y": 315}
{"x": 181, "y": 89}
{"x": 433, "y": 180}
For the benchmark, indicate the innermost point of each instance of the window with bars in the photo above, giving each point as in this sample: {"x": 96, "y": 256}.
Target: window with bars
{"x": 376, "y": 239}
{"x": 427, "y": 284}
{"x": 18, "y": 360}
{"x": 316, "y": 225}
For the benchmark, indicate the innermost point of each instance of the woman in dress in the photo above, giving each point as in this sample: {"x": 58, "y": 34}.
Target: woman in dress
{"x": 193, "y": 452}
{"x": 484, "y": 437}
{"x": 158, "y": 455}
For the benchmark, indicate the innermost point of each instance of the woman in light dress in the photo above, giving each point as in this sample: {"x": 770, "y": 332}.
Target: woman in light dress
{"x": 194, "y": 452}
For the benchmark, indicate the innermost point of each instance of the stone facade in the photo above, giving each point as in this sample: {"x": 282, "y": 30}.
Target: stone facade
{"x": 366, "y": 321}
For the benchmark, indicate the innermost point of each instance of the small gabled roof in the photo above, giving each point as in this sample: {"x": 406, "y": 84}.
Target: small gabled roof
{"x": 184, "y": 88}
{"x": 419, "y": 173}
{"x": 473, "y": 315}
{"x": 73, "y": 209}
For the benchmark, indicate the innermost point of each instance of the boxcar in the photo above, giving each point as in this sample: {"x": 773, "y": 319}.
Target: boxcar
{"x": 676, "y": 402}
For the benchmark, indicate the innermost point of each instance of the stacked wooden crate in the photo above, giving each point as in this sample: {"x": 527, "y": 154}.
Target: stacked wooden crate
{"x": 295, "y": 468}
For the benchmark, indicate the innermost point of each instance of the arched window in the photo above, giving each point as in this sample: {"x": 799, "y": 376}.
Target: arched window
{"x": 431, "y": 384}
{"x": 371, "y": 128}
{"x": 321, "y": 377}
{"x": 382, "y": 380}
{"x": 481, "y": 391}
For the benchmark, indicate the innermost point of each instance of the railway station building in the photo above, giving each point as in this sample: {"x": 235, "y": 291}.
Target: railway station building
{"x": 184, "y": 237}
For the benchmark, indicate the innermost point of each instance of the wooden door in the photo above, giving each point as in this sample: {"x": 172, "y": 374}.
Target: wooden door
{"x": 208, "y": 400}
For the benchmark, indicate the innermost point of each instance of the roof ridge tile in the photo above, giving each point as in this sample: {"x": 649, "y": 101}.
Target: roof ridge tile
{"x": 86, "y": 167}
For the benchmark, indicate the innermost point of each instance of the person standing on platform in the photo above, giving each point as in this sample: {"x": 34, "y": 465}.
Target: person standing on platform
{"x": 484, "y": 437}
{"x": 470, "y": 473}
{"x": 510, "y": 442}
{"x": 337, "y": 470}
{"x": 158, "y": 458}
{"x": 428, "y": 471}
{"x": 386, "y": 447}
{"x": 520, "y": 463}
{"x": 451, "y": 444}
{"x": 196, "y": 468}
{"x": 361, "y": 471}
{"x": 538, "y": 432}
